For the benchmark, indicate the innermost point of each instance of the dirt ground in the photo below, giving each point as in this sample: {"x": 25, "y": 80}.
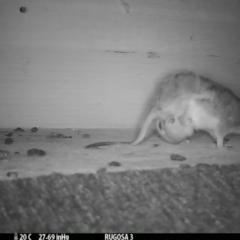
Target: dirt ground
{"x": 65, "y": 152}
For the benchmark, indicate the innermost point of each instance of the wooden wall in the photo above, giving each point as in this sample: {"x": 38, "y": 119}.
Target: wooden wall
{"x": 93, "y": 63}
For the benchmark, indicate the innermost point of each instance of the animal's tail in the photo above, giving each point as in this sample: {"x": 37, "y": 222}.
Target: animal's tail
{"x": 101, "y": 144}
{"x": 154, "y": 114}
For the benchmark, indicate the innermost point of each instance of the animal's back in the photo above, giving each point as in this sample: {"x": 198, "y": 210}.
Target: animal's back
{"x": 225, "y": 104}
{"x": 178, "y": 90}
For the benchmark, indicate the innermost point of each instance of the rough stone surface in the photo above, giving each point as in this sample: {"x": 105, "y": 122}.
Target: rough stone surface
{"x": 202, "y": 199}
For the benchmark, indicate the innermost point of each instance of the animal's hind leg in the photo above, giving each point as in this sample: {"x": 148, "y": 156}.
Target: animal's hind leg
{"x": 219, "y": 137}
{"x": 154, "y": 114}
{"x": 220, "y": 142}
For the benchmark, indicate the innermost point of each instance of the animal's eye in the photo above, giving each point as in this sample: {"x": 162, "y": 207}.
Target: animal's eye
{"x": 171, "y": 120}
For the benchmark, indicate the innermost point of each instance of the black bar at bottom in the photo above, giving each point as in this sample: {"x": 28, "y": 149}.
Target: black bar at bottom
{"x": 72, "y": 236}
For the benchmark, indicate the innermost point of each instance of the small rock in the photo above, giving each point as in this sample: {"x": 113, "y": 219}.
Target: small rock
{"x": 177, "y": 157}
{"x": 18, "y": 129}
{"x": 34, "y": 129}
{"x": 16, "y": 152}
{"x": 9, "y": 134}
{"x": 36, "y": 152}
{"x": 8, "y": 141}
{"x": 114, "y": 164}
{"x": 12, "y": 174}
{"x": 155, "y": 145}
{"x": 22, "y": 9}
{"x": 86, "y": 135}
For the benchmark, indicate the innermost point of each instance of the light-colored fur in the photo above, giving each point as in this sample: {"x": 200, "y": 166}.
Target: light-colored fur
{"x": 185, "y": 95}
{"x": 173, "y": 131}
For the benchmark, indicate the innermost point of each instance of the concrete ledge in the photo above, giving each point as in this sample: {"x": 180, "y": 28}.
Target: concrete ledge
{"x": 203, "y": 199}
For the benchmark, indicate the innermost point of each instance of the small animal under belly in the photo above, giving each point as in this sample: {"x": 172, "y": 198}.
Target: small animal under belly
{"x": 173, "y": 131}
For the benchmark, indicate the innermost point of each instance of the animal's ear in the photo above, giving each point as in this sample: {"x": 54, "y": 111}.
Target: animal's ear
{"x": 159, "y": 125}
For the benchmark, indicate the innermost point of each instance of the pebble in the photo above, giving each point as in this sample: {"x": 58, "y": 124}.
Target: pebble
{"x": 8, "y": 141}
{"x": 114, "y": 164}
{"x": 177, "y": 157}
{"x": 36, "y": 152}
